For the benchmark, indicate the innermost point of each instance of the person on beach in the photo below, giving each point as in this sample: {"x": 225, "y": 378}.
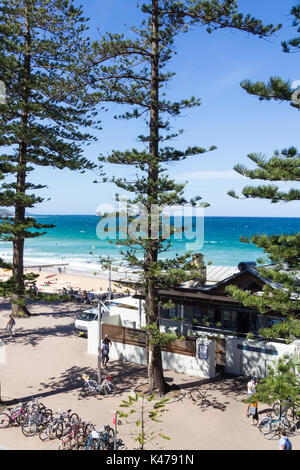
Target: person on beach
{"x": 11, "y": 323}
{"x": 251, "y": 390}
{"x": 85, "y": 297}
{"x": 105, "y": 350}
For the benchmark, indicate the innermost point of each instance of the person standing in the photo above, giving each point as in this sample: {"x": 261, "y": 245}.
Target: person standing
{"x": 253, "y": 410}
{"x": 11, "y": 323}
{"x": 284, "y": 443}
{"x": 251, "y": 390}
{"x": 105, "y": 350}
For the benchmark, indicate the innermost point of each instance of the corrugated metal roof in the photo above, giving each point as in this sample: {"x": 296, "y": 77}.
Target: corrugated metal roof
{"x": 215, "y": 274}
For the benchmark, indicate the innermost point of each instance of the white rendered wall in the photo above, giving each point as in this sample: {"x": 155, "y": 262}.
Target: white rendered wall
{"x": 251, "y": 357}
{"x": 176, "y": 362}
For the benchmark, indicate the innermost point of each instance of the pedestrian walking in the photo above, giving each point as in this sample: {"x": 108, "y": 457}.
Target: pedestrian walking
{"x": 105, "y": 350}
{"x": 251, "y": 390}
{"x": 11, "y": 323}
{"x": 284, "y": 443}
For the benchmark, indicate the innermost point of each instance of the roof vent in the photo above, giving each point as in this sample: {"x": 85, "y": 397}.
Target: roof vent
{"x": 246, "y": 265}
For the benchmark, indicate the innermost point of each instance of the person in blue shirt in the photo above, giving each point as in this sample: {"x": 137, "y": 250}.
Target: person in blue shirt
{"x": 284, "y": 443}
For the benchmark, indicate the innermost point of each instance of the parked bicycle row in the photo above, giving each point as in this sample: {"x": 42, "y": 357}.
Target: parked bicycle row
{"x": 282, "y": 421}
{"x": 73, "y": 433}
{"x": 280, "y": 424}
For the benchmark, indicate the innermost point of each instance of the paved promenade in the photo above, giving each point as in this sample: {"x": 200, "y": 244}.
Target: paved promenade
{"x": 45, "y": 359}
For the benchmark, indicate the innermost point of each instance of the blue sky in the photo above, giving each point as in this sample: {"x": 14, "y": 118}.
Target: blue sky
{"x": 210, "y": 67}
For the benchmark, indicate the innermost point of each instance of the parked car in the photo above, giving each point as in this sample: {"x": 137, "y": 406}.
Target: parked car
{"x": 82, "y": 321}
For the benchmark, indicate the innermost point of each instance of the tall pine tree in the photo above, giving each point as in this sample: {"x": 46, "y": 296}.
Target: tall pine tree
{"x": 136, "y": 77}
{"x": 43, "y": 45}
{"x": 282, "y": 263}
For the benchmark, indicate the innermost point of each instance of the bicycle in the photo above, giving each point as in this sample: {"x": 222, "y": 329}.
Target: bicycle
{"x": 71, "y": 440}
{"x": 49, "y": 430}
{"x": 101, "y": 440}
{"x": 198, "y": 394}
{"x": 14, "y": 415}
{"x": 270, "y": 426}
{"x": 287, "y": 409}
{"x": 91, "y": 387}
{"x": 35, "y": 405}
{"x": 66, "y": 420}
{"x": 85, "y": 429}
{"x": 35, "y": 420}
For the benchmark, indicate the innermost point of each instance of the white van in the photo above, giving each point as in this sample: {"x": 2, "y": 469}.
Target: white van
{"x": 83, "y": 319}
{"x": 126, "y": 307}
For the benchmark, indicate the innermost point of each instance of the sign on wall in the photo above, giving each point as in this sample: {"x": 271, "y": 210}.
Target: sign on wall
{"x": 202, "y": 351}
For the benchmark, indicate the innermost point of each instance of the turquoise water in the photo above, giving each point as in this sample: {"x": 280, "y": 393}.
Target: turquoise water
{"x": 74, "y": 240}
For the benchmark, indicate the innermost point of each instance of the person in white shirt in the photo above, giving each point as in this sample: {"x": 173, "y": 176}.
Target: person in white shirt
{"x": 251, "y": 390}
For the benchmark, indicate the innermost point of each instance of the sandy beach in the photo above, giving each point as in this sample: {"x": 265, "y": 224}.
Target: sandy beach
{"x": 52, "y": 282}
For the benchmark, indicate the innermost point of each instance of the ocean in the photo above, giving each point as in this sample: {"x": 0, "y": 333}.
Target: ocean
{"x": 74, "y": 241}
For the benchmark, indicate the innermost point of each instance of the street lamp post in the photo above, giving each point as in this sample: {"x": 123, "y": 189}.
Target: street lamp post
{"x": 109, "y": 282}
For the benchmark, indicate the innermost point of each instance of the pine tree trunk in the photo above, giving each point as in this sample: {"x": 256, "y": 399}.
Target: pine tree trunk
{"x": 19, "y": 300}
{"x": 155, "y": 370}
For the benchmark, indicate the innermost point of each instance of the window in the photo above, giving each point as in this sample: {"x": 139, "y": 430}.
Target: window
{"x": 188, "y": 312}
{"x": 85, "y": 316}
{"x": 229, "y": 320}
{"x": 175, "y": 311}
{"x": 198, "y": 313}
{"x": 171, "y": 312}
{"x": 211, "y": 315}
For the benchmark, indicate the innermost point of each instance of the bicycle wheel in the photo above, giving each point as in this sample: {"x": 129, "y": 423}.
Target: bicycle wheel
{"x": 292, "y": 429}
{"x": 284, "y": 423}
{"x": 101, "y": 445}
{"x": 266, "y": 428}
{"x": 86, "y": 389}
{"x": 276, "y": 408}
{"x": 21, "y": 418}
{"x": 110, "y": 434}
{"x": 74, "y": 418}
{"x": 84, "y": 434}
{"x": 59, "y": 430}
{"x": 109, "y": 389}
{"x": 62, "y": 429}
{"x": 44, "y": 433}
{"x": 29, "y": 428}
{"x": 47, "y": 416}
{"x": 65, "y": 444}
{"x": 4, "y": 420}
